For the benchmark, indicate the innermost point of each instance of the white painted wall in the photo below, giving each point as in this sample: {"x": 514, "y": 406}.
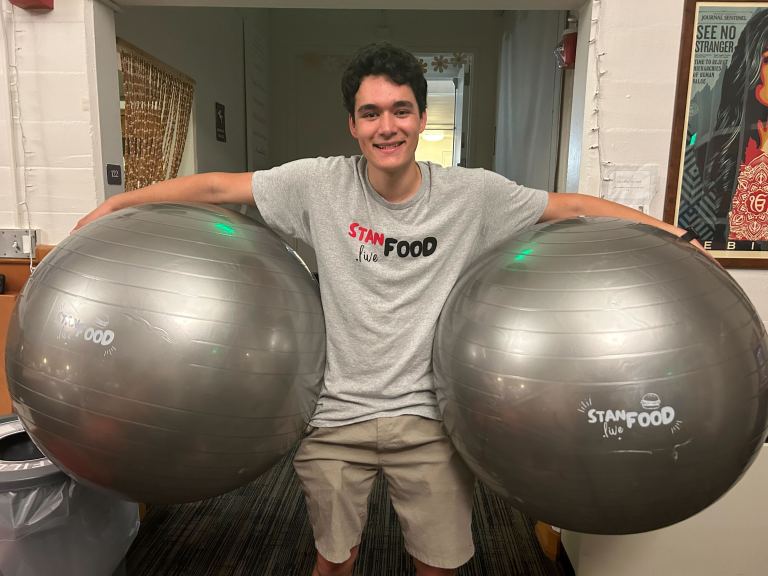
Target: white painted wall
{"x": 725, "y": 539}
{"x": 640, "y": 43}
{"x": 10, "y": 147}
{"x": 206, "y": 44}
{"x": 46, "y": 118}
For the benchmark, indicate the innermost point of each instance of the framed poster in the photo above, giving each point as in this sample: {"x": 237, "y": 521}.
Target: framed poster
{"x": 718, "y": 168}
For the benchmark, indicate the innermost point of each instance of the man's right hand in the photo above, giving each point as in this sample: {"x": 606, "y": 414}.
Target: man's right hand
{"x": 211, "y": 188}
{"x": 101, "y": 210}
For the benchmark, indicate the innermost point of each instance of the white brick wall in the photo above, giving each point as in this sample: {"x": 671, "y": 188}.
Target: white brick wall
{"x": 8, "y": 214}
{"x": 56, "y": 119}
{"x": 640, "y": 43}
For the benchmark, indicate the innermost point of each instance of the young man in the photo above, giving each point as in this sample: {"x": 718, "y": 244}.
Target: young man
{"x": 391, "y": 236}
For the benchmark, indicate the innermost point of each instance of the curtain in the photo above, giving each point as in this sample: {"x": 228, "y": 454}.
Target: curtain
{"x": 158, "y": 104}
{"x": 528, "y": 103}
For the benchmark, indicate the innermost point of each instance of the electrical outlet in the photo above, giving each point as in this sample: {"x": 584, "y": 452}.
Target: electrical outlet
{"x": 17, "y": 242}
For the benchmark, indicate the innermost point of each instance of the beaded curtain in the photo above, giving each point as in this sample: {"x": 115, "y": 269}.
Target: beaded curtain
{"x": 158, "y": 103}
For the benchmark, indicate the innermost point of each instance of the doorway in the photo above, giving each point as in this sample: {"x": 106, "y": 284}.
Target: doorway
{"x": 444, "y": 140}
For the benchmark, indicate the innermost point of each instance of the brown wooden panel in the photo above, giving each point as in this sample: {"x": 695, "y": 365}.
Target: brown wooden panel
{"x": 17, "y": 273}
{"x": 7, "y": 302}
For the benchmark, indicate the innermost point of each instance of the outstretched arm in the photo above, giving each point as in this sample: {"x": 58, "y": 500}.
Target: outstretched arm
{"x": 211, "y": 188}
{"x": 567, "y": 205}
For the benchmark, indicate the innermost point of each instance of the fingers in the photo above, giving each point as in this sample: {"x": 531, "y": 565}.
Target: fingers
{"x": 91, "y": 216}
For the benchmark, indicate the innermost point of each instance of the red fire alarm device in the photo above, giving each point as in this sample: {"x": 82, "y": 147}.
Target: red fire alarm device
{"x": 565, "y": 52}
{"x": 33, "y": 4}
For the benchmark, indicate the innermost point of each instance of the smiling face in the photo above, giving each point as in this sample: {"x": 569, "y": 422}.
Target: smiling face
{"x": 386, "y": 125}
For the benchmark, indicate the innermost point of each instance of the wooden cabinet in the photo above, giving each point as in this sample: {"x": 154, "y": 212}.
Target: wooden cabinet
{"x": 16, "y": 272}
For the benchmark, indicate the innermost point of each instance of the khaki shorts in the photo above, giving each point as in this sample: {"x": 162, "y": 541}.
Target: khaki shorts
{"x": 430, "y": 487}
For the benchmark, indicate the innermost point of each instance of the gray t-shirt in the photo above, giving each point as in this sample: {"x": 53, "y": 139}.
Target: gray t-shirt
{"x": 386, "y": 269}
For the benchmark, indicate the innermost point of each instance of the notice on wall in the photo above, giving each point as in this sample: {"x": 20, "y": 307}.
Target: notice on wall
{"x": 633, "y": 186}
{"x": 221, "y": 125}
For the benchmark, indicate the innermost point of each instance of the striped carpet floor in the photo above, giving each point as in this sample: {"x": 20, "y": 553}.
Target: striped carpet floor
{"x": 262, "y": 529}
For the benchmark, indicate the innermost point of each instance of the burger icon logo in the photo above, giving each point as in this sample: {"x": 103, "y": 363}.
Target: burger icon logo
{"x": 650, "y": 402}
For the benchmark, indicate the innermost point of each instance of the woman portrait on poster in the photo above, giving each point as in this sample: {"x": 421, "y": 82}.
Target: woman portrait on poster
{"x": 735, "y": 174}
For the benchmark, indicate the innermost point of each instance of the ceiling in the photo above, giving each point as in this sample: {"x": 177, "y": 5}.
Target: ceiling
{"x": 370, "y": 4}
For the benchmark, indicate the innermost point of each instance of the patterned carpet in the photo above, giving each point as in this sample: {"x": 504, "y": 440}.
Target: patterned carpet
{"x": 262, "y": 529}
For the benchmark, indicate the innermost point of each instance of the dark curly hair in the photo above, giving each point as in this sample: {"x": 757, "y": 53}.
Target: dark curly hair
{"x": 383, "y": 59}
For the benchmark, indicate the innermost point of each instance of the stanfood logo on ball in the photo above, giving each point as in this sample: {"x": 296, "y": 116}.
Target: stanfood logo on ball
{"x": 615, "y": 422}
{"x": 98, "y": 333}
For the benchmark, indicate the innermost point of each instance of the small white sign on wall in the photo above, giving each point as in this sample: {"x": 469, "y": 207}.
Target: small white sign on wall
{"x": 633, "y": 186}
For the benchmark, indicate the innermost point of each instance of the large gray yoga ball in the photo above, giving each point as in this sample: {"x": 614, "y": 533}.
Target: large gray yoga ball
{"x": 603, "y": 376}
{"x": 167, "y": 352}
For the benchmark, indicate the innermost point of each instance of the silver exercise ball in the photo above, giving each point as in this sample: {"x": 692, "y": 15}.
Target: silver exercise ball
{"x": 603, "y": 376}
{"x": 167, "y": 352}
